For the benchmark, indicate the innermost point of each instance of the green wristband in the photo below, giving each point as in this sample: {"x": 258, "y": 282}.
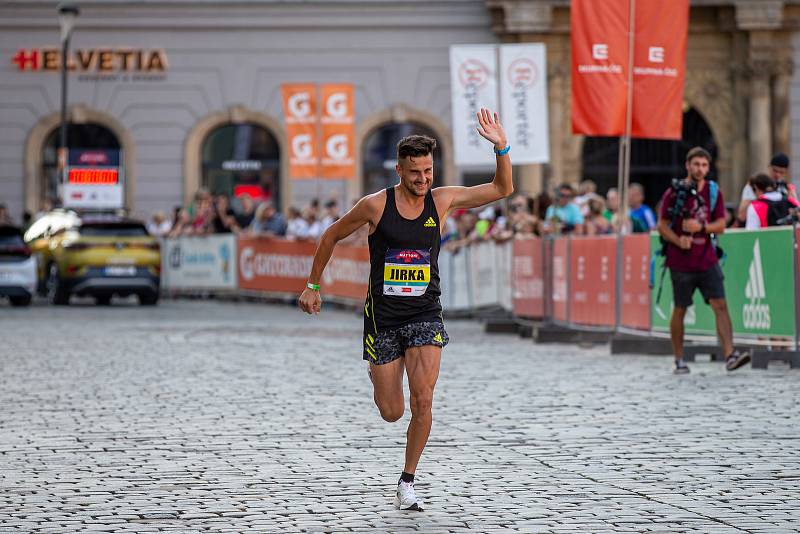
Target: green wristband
{"x": 315, "y": 287}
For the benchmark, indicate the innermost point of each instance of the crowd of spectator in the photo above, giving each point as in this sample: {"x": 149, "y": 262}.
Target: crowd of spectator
{"x": 570, "y": 210}
{"x": 218, "y": 214}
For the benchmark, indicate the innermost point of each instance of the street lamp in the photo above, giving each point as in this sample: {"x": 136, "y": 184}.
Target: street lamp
{"x": 67, "y": 14}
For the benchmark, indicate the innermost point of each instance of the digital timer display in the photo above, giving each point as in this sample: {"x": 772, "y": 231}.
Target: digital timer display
{"x": 94, "y": 176}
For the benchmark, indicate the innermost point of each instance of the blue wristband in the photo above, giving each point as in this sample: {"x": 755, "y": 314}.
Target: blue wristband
{"x": 502, "y": 152}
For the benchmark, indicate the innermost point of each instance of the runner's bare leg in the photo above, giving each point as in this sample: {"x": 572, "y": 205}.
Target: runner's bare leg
{"x": 387, "y": 384}
{"x": 422, "y": 367}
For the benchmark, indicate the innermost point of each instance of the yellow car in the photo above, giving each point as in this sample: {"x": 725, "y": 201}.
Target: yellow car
{"x": 95, "y": 255}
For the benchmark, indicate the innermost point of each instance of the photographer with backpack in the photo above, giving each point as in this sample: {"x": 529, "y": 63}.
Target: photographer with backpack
{"x": 770, "y": 207}
{"x": 692, "y": 212}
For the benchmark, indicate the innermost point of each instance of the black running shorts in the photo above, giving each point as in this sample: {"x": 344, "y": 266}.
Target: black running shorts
{"x": 388, "y": 345}
{"x": 709, "y": 282}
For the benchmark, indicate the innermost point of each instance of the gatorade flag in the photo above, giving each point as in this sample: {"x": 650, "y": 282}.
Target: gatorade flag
{"x": 300, "y": 114}
{"x": 599, "y": 66}
{"x": 338, "y": 131}
{"x": 659, "y": 68}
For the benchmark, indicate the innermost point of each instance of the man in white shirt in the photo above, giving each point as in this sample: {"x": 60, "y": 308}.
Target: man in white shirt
{"x": 778, "y": 171}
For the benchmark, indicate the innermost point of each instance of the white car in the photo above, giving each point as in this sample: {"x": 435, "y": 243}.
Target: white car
{"x": 17, "y": 267}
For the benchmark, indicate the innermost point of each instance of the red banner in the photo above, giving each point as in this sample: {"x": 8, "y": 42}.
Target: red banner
{"x": 593, "y": 281}
{"x": 599, "y": 66}
{"x": 281, "y": 266}
{"x": 635, "y": 294}
{"x": 338, "y": 131}
{"x": 527, "y": 278}
{"x": 659, "y": 68}
{"x": 300, "y": 113}
{"x": 560, "y": 279}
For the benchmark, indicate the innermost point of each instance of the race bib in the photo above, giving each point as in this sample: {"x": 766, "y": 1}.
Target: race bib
{"x": 406, "y": 273}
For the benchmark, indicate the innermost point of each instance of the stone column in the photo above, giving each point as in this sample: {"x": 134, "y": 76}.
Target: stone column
{"x": 763, "y": 20}
{"x": 759, "y": 132}
{"x": 781, "y": 107}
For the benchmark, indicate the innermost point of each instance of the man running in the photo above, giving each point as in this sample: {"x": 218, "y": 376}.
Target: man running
{"x": 403, "y": 326}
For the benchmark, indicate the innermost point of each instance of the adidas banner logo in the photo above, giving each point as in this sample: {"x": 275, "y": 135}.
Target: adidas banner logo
{"x": 430, "y": 223}
{"x": 755, "y": 314}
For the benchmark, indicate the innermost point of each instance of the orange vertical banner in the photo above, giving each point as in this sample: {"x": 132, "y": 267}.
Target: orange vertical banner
{"x": 300, "y": 113}
{"x": 659, "y": 68}
{"x": 338, "y": 131}
{"x": 599, "y": 66}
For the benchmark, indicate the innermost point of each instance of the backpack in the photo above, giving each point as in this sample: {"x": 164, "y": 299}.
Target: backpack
{"x": 777, "y": 211}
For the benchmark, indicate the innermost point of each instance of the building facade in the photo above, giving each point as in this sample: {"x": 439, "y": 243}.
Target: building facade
{"x": 741, "y": 84}
{"x": 190, "y": 91}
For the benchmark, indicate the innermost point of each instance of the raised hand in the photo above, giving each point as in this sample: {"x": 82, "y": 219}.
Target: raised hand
{"x": 490, "y": 128}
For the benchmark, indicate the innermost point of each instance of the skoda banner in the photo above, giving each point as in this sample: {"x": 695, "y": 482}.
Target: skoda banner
{"x": 759, "y": 305}
{"x": 201, "y": 262}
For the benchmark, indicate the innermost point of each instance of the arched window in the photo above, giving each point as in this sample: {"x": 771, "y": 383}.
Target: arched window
{"x": 654, "y": 163}
{"x": 242, "y": 159}
{"x": 380, "y": 154}
{"x": 79, "y": 136}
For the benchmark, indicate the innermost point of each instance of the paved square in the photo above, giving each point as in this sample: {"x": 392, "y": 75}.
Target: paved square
{"x": 219, "y": 417}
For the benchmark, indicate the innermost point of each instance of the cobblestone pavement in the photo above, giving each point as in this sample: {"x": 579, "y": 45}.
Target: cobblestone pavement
{"x": 202, "y": 416}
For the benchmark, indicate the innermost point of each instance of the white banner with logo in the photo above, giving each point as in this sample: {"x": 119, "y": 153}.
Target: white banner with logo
{"x": 523, "y": 98}
{"x": 201, "y": 262}
{"x": 473, "y": 82}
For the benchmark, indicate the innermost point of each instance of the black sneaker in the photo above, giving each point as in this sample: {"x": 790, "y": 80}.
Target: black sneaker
{"x": 737, "y": 359}
{"x": 680, "y": 368}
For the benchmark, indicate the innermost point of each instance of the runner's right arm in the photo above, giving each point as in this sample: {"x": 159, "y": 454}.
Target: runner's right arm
{"x": 364, "y": 212}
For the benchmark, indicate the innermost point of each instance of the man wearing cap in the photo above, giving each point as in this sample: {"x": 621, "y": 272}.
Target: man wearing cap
{"x": 778, "y": 172}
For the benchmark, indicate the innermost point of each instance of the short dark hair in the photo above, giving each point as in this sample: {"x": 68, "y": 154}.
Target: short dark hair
{"x": 762, "y": 182}
{"x": 415, "y": 146}
{"x": 698, "y": 152}
{"x": 780, "y": 160}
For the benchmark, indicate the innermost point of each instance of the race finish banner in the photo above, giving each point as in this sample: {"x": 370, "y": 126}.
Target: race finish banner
{"x": 94, "y": 179}
{"x": 759, "y": 305}
{"x": 337, "y": 123}
{"x": 473, "y": 82}
{"x": 300, "y": 114}
{"x": 523, "y": 101}
{"x": 600, "y": 67}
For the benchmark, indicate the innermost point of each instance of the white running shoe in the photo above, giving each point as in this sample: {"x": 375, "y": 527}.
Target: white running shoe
{"x": 406, "y": 499}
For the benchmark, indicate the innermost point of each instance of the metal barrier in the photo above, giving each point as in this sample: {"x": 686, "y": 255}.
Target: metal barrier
{"x": 584, "y": 284}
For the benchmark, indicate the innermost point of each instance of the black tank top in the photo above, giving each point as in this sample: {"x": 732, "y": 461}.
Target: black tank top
{"x": 404, "y": 268}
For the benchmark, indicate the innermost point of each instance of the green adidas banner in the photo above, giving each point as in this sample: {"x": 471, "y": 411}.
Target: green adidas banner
{"x": 759, "y": 286}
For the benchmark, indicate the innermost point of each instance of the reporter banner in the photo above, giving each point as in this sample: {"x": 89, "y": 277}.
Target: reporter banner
{"x": 759, "y": 305}
{"x": 201, "y": 262}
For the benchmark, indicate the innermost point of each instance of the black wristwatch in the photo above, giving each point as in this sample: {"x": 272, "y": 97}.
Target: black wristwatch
{"x": 704, "y": 227}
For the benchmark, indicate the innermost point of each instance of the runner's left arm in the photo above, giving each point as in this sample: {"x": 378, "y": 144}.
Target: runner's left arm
{"x": 457, "y": 197}
{"x": 361, "y": 214}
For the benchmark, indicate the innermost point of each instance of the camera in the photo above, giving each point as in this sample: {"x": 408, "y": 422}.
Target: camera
{"x": 683, "y": 190}
{"x": 782, "y": 188}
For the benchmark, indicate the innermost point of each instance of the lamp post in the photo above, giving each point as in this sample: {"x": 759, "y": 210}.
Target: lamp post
{"x": 67, "y": 14}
